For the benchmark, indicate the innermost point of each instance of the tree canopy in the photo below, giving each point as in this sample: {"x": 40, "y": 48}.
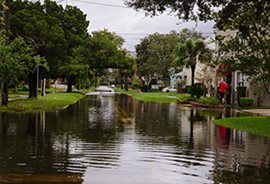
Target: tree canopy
{"x": 102, "y": 50}
{"x": 155, "y": 54}
{"x": 53, "y": 31}
{"x": 248, "y": 48}
{"x": 17, "y": 59}
{"x": 193, "y": 9}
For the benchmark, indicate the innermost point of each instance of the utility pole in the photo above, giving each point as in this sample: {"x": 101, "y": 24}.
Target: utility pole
{"x": 37, "y": 81}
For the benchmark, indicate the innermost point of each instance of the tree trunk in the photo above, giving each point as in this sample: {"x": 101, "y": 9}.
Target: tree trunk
{"x": 126, "y": 83}
{"x": 4, "y": 93}
{"x": 78, "y": 85}
{"x": 32, "y": 86}
{"x": 96, "y": 80}
{"x": 193, "y": 74}
{"x": 69, "y": 86}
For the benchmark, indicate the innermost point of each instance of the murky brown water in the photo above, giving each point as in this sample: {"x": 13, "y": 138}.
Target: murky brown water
{"x": 118, "y": 140}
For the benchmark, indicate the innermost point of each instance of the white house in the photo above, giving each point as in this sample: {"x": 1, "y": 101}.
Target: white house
{"x": 203, "y": 73}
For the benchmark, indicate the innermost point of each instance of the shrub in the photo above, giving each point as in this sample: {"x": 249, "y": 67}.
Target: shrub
{"x": 196, "y": 91}
{"x": 187, "y": 98}
{"x": 209, "y": 101}
{"x": 245, "y": 102}
{"x": 135, "y": 83}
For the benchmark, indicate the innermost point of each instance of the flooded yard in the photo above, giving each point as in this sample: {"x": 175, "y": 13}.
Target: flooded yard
{"x": 118, "y": 140}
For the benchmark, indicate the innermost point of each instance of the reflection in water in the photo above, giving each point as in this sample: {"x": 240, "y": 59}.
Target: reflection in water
{"x": 115, "y": 139}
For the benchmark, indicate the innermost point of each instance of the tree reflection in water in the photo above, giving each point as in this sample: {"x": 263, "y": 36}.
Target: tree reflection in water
{"x": 163, "y": 143}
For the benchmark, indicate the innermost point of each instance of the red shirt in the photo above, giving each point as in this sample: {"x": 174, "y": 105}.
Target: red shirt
{"x": 223, "y": 86}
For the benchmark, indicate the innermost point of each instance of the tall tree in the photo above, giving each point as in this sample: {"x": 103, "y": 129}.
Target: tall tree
{"x": 102, "y": 51}
{"x": 30, "y": 21}
{"x": 155, "y": 54}
{"x": 73, "y": 72}
{"x": 15, "y": 58}
{"x": 55, "y": 32}
{"x": 74, "y": 25}
{"x": 190, "y": 52}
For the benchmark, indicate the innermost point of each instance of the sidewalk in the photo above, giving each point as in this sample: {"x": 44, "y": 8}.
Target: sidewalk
{"x": 264, "y": 112}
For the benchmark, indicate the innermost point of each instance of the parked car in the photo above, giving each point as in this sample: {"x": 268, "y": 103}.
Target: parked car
{"x": 169, "y": 89}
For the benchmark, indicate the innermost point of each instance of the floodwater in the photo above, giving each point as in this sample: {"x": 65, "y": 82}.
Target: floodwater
{"x": 118, "y": 140}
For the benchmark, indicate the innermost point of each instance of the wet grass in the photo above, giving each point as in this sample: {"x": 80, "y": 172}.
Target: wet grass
{"x": 155, "y": 96}
{"x": 49, "y": 102}
{"x": 259, "y": 125}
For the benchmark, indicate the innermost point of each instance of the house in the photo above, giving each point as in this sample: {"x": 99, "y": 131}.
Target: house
{"x": 185, "y": 76}
{"x": 239, "y": 80}
{"x": 203, "y": 73}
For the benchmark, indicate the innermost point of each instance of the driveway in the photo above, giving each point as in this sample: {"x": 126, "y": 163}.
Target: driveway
{"x": 264, "y": 112}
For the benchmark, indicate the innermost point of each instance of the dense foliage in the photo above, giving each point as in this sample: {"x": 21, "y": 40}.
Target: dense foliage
{"x": 158, "y": 53}
{"x": 209, "y": 101}
{"x": 196, "y": 91}
{"x": 155, "y": 54}
{"x": 52, "y": 41}
{"x": 102, "y": 50}
{"x": 17, "y": 59}
{"x": 246, "y": 102}
{"x": 54, "y": 32}
{"x": 193, "y": 9}
{"x": 248, "y": 48}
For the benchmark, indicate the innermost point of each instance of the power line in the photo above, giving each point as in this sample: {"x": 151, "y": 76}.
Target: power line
{"x": 133, "y": 38}
{"x": 134, "y": 34}
{"x": 101, "y": 4}
{"x": 146, "y": 34}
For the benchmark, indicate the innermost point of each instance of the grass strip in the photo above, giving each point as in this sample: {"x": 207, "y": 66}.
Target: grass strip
{"x": 259, "y": 125}
{"x": 49, "y": 102}
{"x": 154, "y": 96}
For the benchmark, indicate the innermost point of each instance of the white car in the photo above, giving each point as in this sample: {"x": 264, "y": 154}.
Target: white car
{"x": 104, "y": 89}
{"x": 169, "y": 89}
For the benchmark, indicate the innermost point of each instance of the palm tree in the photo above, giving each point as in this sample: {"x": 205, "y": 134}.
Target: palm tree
{"x": 191, "y": 51}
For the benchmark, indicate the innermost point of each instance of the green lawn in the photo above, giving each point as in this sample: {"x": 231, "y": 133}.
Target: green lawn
{"x": 48, "y": 102}
{"x": 154, "y": 96}
{"x": 259, "y": 125}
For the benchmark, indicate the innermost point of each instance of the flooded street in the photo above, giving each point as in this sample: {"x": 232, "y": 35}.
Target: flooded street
{"x": 118, "y": 140}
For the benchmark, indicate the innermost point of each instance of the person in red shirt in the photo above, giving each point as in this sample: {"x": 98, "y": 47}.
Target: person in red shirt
{"x": 223, "y": 86}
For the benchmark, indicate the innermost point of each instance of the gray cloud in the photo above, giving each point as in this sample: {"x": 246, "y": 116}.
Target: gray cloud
{"x": 127, "y": 20}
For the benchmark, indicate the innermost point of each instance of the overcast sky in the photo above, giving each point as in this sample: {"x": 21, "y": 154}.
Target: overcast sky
{"x": 130, "y": 24}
